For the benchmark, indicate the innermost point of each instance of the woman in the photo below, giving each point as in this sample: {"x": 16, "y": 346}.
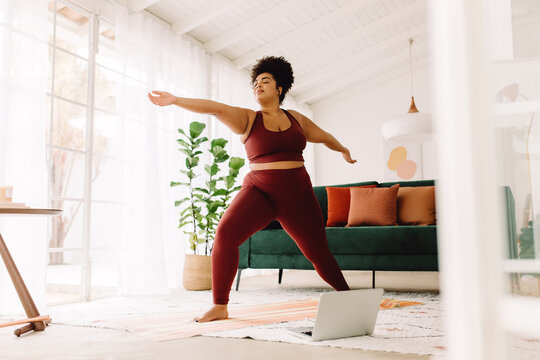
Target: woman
{"x": 278, "y": 186}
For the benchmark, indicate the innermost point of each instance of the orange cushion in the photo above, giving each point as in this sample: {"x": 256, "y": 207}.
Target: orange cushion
{"x": 416, "y": 205}
{"x": 375, "y": 206}
{"x": 339, "y": 201}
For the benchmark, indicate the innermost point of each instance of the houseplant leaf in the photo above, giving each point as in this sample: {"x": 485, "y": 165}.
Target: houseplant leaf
{"x": 182, "y": 132}
{"x": 199, "y": 141}
{"x": 174, "y": 183}
{"x": 236, "y": 163}
{"x": 180, "y": 202}
{"x": 219, "y": 142}
{"x": 196, "y": 128}
{"x": 183, "y": 142}
{"x": 219, "y": 192}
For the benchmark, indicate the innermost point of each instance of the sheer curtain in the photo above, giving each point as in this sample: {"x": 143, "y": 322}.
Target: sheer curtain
{"x": 23, "y": 114}
{"x": 153, "y": 58}
{"x": 144, "y": 228}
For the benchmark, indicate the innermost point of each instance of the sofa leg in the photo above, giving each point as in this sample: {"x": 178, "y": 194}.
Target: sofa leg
{"x": 280, "y": 275}
{"x": 373, "y": 279}
{"x": 238, "y": 278}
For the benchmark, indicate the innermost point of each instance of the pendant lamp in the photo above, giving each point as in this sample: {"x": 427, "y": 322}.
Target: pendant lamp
{"x": 413, "y": 126}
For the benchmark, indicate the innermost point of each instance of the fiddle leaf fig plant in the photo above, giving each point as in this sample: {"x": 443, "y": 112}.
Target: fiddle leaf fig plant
{"x": 191, "y": 214}
{"x": 235, "y": 164}
{"x": 204, "y": 206}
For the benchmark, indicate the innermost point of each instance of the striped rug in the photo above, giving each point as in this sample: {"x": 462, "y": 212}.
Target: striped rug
{"x": 180, "y": 325}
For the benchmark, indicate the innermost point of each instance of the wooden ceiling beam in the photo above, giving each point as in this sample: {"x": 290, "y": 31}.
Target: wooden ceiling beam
{"x": 336, "y": 46}
{"x": 247, "y": 28}
{"x": 139, "y": 5}
{"x": 363, "y": 54}
{"x": 302, "y": 32}
{"x": 365, "y": 86}
{"x": 346, "y": 80}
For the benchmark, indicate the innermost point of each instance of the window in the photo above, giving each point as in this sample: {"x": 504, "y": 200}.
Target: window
{"x": 81, "y": 101}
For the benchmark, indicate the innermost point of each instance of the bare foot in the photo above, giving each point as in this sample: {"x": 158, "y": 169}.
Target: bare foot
{"x": 217, "y": 312}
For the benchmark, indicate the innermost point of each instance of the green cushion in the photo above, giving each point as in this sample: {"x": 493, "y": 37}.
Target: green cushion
{"x": 406, "y": 239}
{"x": 244, "y": 254}
{"x": 355, "y": 240}
{"x": 350, "y": 262}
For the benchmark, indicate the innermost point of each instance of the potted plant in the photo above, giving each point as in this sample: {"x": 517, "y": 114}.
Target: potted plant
{"x": 204, "y": 206}
{"x": 527, "y": 251}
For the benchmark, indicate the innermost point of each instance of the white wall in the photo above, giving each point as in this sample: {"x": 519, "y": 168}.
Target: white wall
{"x": 356, "y": 121}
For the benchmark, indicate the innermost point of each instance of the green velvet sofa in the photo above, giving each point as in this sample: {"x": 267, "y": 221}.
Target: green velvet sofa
{"x": 371, "y": 248}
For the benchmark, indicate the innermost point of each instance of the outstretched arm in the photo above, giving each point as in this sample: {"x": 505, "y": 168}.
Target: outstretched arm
{"x": 235, "y": 118}
{"x": 315, "y": 134}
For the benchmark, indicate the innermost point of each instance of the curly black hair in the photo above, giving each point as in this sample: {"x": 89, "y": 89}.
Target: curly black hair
{"x": 280, "y": 69}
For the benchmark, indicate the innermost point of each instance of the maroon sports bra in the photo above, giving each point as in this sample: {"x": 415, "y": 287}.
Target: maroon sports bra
{"x": 263, "y": 145}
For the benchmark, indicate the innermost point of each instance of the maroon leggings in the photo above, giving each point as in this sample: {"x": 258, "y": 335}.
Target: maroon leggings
{"x": 286, "y": 195}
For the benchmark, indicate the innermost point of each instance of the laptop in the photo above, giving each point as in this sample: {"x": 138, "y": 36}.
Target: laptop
{"x": 343, "y": 314}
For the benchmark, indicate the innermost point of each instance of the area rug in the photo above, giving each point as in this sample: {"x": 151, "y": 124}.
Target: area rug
{"x": 180, "y": 325}
{"x": 414, "y": 329}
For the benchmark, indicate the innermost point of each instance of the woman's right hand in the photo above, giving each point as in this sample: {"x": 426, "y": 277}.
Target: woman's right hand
{"x": 163, "y": 98}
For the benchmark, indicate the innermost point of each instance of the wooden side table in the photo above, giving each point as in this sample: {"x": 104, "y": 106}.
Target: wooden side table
{"x": 35, "y": 320}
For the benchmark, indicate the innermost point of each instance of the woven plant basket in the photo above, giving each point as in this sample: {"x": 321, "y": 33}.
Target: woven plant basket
{"x": 197, "y": 272}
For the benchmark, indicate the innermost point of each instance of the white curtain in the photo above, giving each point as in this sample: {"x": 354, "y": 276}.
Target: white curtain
{"x": 144, "y": 226}
{"x": 153, "y": 58}
{"x": 154, "y": 248}
{"x": 23, "y": 115}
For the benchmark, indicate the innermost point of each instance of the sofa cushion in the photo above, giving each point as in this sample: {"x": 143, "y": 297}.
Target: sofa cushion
{"x": 350, "y": 262}
{"x": 416, "y": 205}
{"x": 389, "y": 262}
{"x": 272, "y": 242}
{"x": 339, "y": 201}
{"x": 322, "y": 197}
{"x": 365, "y": 240}
{"x": 373, "y": 206}
{"x": 407, "y": 239}
{"x": 243, "y": 254}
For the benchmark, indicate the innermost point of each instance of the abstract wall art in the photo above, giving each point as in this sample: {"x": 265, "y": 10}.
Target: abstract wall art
{"x": 402, "y": 162}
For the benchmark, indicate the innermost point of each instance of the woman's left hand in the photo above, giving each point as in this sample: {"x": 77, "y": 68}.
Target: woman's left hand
{"x": 347, "y": 156}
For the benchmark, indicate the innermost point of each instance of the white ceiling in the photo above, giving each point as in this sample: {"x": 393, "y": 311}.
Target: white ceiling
{"x": 335, "y": 46}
